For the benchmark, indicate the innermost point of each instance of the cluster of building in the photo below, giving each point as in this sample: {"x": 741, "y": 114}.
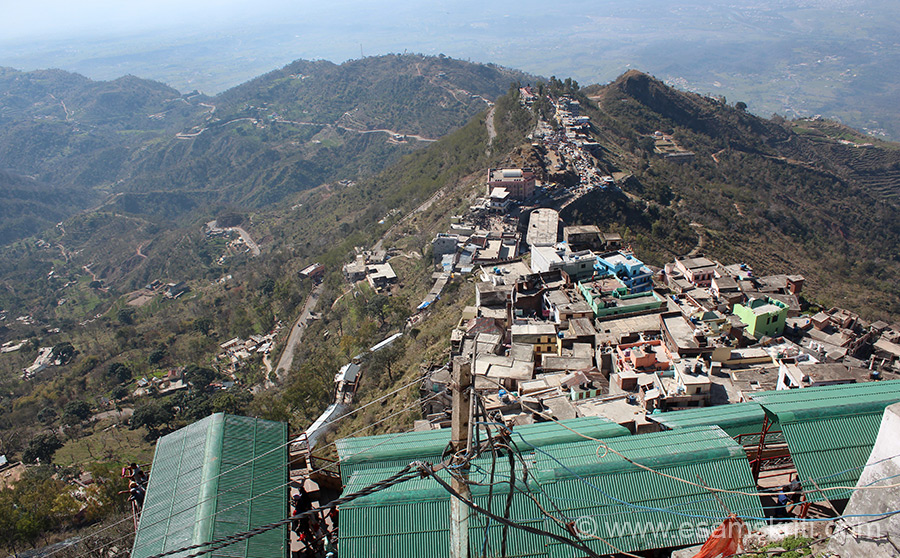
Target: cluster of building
{"x": 665, "y": 145}
{"x": 170, "y": 382}
{"x": 43, "y": 360}
{"x": 236, "y": 351}
{"x": 587, "y": 329}
{"x": 371, "y": 266}
{"x": 169, "y": 290}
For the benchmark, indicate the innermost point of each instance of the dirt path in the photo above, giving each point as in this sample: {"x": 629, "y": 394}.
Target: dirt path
{"x": 296, "y": 334}
{"x": 491, "y": 130}
{"x": 700, "y": 240}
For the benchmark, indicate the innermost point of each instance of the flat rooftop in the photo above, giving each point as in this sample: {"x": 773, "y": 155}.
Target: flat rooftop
{"x": 543, "y": 227}
{"x": 612, "y": 331}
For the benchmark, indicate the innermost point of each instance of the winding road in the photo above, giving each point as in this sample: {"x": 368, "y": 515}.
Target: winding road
{"x": 296, "y": 334}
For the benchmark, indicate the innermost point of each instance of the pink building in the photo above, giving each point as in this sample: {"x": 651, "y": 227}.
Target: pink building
{"x": 518, "y": 182}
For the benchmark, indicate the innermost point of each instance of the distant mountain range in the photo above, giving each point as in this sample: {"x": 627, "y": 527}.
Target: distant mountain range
{"x": 810, "y": 195}
{"x": 145, "y": 148}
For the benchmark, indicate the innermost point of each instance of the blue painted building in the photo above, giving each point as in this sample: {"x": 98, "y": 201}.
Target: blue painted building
{"x": 631, "y": 271}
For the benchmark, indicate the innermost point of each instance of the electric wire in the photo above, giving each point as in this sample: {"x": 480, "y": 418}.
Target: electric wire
{"x": 370, "y": 425}
{"x": 403, "y": 475}
{"x": 607, "y": 449}
{"x": 290, "y": 442}
{"x": 475, "y": 507}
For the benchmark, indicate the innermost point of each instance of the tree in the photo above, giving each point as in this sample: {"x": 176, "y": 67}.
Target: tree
{"x": 740, "y": 105}
{"x": 383, "y": 361}
{"x": 63, "y": 352}
{"x": 202, "y": 325}
{"x": 75, "y": 412}
{"x": 233, "y": 401}
{"x": 199, "y": 377}
{"x": 125, "y": 316}
{"x": 41, "y": 447}
{"x": 119, "y": 392}
{"x": 151, "y": 416}
{"x": 118, "y": 372}
{"x": 47, "y": 415}
{"x": 157, "y": 355}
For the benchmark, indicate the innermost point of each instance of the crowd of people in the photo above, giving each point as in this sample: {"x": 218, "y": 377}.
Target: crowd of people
{"x": 313, "y": 529}
{"x": 137, "y": 485}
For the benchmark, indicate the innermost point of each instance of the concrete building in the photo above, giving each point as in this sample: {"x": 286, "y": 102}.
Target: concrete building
{"x": 355, "y": 270}
{"x": 697, "y": 271}
{"x": 499, "y": 199}
{"x": 313, "y": 271}
{"x": 762, "y": 316}
{"x": 540, "y": 335}
{"x": 381, "y": 275}
{"x": 583, "y": 237}
{"x": 543, "y": 227}
{"x": 442, "y": 245}
{"x": 636, "y": 277}
{"x": 518, "y": 182}
{"x": 607, "y": 299}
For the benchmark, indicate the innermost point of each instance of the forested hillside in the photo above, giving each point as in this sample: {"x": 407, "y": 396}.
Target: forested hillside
{"x": 148, "y": 150}
{"x": 808, "y": 195}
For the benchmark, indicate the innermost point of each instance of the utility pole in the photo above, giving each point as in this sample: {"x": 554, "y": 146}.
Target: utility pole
{"x": 460, "y": 442}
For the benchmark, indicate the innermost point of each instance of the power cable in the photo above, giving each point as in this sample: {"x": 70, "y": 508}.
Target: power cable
{"x": 370, "y": 425}
{"x": 607, "y": 449}
{"x": 475, "y": 507}
{"x": 403, "y": 475}
{"x": 292, "y": 441}
{"x": 690, "y": 516}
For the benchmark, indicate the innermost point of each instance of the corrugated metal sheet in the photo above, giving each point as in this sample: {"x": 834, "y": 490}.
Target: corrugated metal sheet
{"x": 683, "y": 514}
{"x": 832, "y": 451}
{"x": 695, "y": 443}
{"x": 830, "y": 430}
{"x": 792, "y": 405}
{"x": 735, "y": 419}
{"x": 412, "y": 519}
{"x": 397, "y": 450}
{"x": 206, "y": 484}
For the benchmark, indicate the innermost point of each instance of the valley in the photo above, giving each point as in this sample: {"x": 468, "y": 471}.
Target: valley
{"x": 132, "y": 280}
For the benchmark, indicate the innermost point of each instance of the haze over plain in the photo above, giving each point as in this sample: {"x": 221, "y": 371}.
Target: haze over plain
{"x": 794, "y": 58}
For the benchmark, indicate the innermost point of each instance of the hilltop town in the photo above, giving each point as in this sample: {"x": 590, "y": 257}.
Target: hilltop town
{"x": 572, "y": 316}
{"x": 572, "y": 340}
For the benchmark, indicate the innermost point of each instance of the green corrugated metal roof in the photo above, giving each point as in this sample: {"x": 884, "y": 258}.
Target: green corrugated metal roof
{"x": 411, "y": 519}
{"x": 832, "y": 451}
{"x": 699, "y": 443}
{"x": 793, "y": 405}
{"x": 735, "y": 419}
{"x": 830, "y": 430}
{"x": 219, "y": 476}
{"x": 397, "y": 450}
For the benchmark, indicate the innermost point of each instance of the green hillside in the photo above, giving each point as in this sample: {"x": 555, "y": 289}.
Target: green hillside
{"x": 812, "y": 196}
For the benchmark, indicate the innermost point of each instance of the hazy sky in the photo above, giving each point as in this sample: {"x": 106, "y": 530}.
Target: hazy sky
{"x": 45, "y": 19}
{"x": 794, "y": 57}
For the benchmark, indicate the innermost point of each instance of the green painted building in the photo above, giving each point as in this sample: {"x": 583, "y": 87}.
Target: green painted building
{"x": 216, "y": 477}
{"x": 613, "y": 302}
{"x": 762, "y": 316}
